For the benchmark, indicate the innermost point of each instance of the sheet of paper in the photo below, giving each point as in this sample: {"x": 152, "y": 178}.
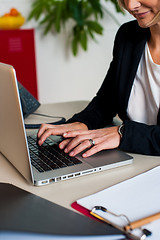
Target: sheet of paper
{"x": 137, "y": 198}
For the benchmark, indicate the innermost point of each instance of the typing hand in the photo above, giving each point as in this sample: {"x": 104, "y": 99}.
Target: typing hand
{"x": 47, "y": 130}
{"x": 96, "y": 140}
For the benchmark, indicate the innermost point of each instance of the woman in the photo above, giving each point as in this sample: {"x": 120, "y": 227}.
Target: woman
{"x": 130, "y": 89}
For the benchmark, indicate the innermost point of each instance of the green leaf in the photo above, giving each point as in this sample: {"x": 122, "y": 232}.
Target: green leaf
{"x": 96, "y": 6}
{"x": 75, "y": 8}
{"x": 74, "y": 46}
{"x": 83, "y": 39}
{"x": 37, "y": 9}
{"x": 91, "y": 34}
{"x": 94, "y": 26}
{"x": 58, "y": 11}
{"x": 45, "y": 19}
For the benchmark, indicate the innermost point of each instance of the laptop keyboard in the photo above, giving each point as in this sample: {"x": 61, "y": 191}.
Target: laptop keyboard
{"x": 48, "y": 156}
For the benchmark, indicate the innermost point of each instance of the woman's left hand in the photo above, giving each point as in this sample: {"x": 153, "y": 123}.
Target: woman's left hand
{"x": 106, "y": 138}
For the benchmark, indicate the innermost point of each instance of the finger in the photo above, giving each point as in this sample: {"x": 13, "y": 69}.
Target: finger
{"x": 42, "y": 129}
{"x": 47, "y": 133}
{"x": 47, "y": 129}
{"x": 44, "y": 136}
{"x": 64, "y": 143}
{"x": 76, "y": 141}
{"x": 81, "y": 147}
{"x": 93, "y": 150}
{"x": 57, "y": 129}
{"x": 75, "y": 133}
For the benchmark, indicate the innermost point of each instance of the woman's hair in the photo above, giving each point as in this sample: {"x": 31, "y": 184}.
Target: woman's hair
{"x": 121, "y": 4}
{"x": 155, "y": 19}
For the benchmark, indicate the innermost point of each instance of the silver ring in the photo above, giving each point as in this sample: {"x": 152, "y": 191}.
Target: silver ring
{"x": 92, "y": 142}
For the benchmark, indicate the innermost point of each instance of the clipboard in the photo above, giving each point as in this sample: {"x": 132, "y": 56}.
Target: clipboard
{"x": 96, "y": 217}
{"x": 133, "y": 201}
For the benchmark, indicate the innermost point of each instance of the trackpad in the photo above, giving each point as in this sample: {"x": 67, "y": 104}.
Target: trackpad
{"x": 107, "y": 157}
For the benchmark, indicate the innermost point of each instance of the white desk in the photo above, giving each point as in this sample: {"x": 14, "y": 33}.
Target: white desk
{"x": 66, "y": 192}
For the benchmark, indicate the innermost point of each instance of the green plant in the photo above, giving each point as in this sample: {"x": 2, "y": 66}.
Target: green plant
{"x": 53, "y": 14}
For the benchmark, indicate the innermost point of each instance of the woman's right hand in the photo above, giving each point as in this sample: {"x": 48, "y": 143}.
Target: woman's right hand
{"x": 47, "y": 130}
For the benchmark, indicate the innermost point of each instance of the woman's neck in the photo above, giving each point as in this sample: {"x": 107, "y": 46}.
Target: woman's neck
{"x": 154, "y": 40}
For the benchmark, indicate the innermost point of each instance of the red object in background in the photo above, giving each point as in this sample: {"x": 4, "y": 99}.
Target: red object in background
{"x": 17, "y": 48}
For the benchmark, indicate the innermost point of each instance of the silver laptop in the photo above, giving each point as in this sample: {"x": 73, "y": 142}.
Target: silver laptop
{"x": 45, "y": 164}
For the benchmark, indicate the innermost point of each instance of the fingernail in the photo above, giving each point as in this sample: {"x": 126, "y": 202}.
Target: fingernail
{"x": 71, "y": 154}
{"x": 84, "y": 155}
{"x": 65, "y": 150}
{"x": 64, "y": 134}
{"x": 61, "y": 147}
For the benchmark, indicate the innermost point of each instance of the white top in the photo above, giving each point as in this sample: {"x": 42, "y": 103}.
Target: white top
{"x": 144, "y": 101}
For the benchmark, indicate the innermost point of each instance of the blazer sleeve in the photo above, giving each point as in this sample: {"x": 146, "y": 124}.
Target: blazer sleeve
{"x": 141, "y": 138}
{"x": 103, "y": 107}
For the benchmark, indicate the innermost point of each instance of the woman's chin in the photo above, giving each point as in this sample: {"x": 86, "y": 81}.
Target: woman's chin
{"x": 143, "y": 24}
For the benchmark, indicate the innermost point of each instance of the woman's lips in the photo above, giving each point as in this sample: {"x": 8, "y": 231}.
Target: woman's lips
{"x": 140, "y": 15}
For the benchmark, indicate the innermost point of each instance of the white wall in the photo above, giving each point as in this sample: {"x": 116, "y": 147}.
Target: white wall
{"x": 61, "y": 76}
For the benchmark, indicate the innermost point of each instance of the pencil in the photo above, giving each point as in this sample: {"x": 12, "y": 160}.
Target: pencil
{"x": 141, "y": 222}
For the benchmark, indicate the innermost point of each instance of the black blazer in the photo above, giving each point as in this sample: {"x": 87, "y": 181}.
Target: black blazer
{"x": 112, "y": 98}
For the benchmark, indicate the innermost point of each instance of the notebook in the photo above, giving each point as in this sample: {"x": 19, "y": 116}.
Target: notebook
{"x": 39, "y": 165}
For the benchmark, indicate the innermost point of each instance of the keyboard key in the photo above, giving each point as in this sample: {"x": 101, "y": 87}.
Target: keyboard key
{"x": 49, "y": 156}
